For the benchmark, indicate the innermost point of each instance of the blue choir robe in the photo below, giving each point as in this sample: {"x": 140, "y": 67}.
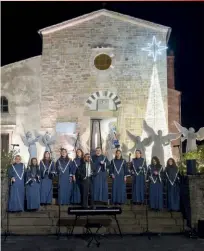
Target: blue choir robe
{"x": 100, "y": 182}
{"x": 17, "y": 188}
{"x": 118, "y": 168}
{"x": 65, "y": 185}
{"x": 173, "y": 188}
{"x": 138, "y": 172}
{"x": 47, "y": 171}
{"x": 155, "y": 177}
{"x": 33, "y": 187}
{"x": 76, "y": 195}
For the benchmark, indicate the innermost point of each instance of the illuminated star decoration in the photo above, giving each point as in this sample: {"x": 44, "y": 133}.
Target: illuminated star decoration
{"x": 154, "y": 48}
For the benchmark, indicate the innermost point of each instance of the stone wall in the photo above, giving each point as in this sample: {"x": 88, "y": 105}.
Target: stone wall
{"x": 69, "y": 77}
{"x": 196, "y": 189}
{"x": 20, "y": 83}
{"x": 55, "y": 86}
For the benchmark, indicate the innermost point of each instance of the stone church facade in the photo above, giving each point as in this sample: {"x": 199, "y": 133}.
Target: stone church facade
{"x": 91, "y": 67}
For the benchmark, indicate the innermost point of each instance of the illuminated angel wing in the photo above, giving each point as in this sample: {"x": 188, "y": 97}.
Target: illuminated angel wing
{"x": 84, "y": 140}
{"x": 40, "y": 137}
{"x": 181, "y": 129}
{"x": 147, "y": 141}
{"x": 71, "y": 140}
{"x": 171, "y": 137}
{"x": 200, "y": 134}
{"x": 131, "y": 136}
{"x": 125, "y": 151}
{"x": 150, "y": 132}
{"x": 52, "y": 140}
{"x": 24, "y": 139}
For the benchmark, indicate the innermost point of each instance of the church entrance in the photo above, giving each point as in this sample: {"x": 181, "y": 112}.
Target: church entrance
{"x": 103, "y": 134}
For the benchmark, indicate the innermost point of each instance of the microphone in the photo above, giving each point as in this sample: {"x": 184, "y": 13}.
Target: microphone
{"x": 14, "y": 144}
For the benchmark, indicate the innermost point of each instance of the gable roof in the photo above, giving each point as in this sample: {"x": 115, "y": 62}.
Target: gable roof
{"x": 108, "y": 13}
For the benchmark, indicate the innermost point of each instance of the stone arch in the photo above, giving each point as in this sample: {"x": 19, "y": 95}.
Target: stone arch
{"x": 103, "y": 94}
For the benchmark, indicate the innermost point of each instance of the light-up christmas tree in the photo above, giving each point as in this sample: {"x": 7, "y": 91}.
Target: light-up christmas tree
{"x": 155, "y": 113}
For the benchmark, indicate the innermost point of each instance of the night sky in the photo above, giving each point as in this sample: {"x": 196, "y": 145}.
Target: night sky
{"x": 20, "y": 40}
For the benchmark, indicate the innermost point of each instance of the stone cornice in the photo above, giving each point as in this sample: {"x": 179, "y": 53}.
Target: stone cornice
{"x": 104, "y": 12}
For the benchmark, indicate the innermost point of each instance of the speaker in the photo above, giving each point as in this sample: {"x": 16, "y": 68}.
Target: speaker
{"x": 201, "y": 229}
{"x": 191, "y": 167}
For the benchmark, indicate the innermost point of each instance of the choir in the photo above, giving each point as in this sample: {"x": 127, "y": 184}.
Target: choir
{"x": 86, "y": 175}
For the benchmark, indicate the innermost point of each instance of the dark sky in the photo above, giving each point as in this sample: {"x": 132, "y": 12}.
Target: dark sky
{"x": 22, "y": 20}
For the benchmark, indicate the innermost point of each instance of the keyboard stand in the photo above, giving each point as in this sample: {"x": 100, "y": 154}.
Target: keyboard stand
{"x": 93, "y": 236}
{"x": 116, "y": 220}
{"x": 74, "y": 225}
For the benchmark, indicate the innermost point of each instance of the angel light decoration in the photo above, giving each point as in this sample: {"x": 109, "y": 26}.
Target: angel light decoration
{"x": 159, "y": 141}
{"x": 112, "y": 141}
{"x": 47, "y": 140}
{"x": 30, "y": 142}
{"x": 79, "y": 141}
{"x": 191, "y": 136}
{"x": 139, "y": 144}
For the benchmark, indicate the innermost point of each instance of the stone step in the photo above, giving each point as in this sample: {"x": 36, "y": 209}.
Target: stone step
{"x": 133, "y": 229}
{"x": 156, "y": 222}
{"x": 125, "y": 215}
{"x": 165, "y": 229}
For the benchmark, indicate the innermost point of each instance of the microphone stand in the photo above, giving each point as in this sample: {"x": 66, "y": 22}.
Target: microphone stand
{"x": 74, "y": 185}
{"x": 7, "y": 232}
{"x": 147, "y": 232}
{"x": 59, "y": 209}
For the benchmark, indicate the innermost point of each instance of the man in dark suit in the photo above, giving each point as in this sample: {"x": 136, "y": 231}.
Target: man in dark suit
{"x": 84, "y": 174}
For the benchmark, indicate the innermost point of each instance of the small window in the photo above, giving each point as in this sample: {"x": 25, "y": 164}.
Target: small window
{"x": 102, "y": 62}
{"x": 4, "y": 104}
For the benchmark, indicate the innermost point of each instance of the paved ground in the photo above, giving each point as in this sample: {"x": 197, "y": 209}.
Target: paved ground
{"x": 127, "y": 243}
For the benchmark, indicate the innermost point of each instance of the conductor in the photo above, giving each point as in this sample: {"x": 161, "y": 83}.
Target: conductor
{"x": 84, "y": 174}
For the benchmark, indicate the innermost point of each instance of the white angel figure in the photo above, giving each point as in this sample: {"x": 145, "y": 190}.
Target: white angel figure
{"x": 159, "y": 141}
{"x": 47, "y": 140}
{"x": 139, "y": 144}
{"x": 30, "y": 142}
{"x": 191, "y": 136}
{"x": 125, "y": 152}
{"x": 112, "y": 141}
{"x": 85, "y": 139}
{"x": 77, "y": 141}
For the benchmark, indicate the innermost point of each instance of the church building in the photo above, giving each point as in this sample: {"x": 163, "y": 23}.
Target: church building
{"x": 97, "y": 71}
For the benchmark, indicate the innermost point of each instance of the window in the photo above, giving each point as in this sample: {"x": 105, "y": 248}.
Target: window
{"x": 66, "y": 127}
{"x": 4, "y": 104}
{"x": 102, "y": 62}
{"x": 4, "y": 143}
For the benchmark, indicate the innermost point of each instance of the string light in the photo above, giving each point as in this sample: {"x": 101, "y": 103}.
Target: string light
{"x": 154, "y": 48}
{"x": 155, "y": 114}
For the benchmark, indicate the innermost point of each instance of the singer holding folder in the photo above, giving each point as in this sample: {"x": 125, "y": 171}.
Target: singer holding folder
{"x": 84, "y": 174}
